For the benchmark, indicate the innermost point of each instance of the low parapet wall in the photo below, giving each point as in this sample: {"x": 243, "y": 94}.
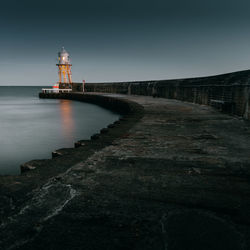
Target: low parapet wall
{"x": 118, "y": 105}
{"x": 232, "y": 88}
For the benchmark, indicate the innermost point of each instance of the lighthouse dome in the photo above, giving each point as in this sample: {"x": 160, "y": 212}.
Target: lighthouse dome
{"x": 63, "y": 57}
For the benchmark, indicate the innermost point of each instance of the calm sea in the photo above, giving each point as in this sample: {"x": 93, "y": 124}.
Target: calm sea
{"x": 31, "y": 128}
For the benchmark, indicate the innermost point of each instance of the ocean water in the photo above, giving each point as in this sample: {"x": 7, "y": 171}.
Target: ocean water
{"x": 31, "y": 128}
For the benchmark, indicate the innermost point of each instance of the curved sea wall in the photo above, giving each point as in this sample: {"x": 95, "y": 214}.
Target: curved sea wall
{"x": 177, "y": 178}
{"x": 229, "y": 92}
{"x": 136, "y": 183}
{"x": 118, "y": 105}
{"x": 18, "y": 186}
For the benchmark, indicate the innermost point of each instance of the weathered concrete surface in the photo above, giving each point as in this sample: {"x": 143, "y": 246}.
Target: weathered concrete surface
{"x": 177, "y": 179}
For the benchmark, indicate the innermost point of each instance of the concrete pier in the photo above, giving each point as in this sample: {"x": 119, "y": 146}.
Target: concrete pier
{"x": 169, "y": 175}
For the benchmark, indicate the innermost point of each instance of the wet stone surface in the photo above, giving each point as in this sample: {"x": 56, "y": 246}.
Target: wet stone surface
{"x": 178, "y": 178}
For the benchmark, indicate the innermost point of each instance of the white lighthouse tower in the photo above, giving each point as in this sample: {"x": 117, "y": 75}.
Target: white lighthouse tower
{"x": 64, "y": 69}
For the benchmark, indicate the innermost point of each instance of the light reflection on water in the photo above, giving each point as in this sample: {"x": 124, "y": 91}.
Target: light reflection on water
{"x": 68, "y": 125}
{"x": 31, "y": 128}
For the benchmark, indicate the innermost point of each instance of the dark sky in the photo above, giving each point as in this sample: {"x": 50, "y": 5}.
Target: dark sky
{"x": 114, "y": 40}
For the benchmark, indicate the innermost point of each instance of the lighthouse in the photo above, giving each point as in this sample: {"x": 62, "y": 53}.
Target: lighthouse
{"x": 64, "y": 70}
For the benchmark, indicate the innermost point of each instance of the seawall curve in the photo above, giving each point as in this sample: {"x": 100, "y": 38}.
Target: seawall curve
{"x": 121, "y": 106}
{"x": 178, "y": 178}
{"x": 14, "y": 189}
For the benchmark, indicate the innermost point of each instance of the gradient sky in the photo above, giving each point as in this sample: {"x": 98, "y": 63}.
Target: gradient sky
{"x": 114, "y": 40}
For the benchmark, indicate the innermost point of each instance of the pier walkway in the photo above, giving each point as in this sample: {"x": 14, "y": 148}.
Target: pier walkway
{"x": 178, "y": 178}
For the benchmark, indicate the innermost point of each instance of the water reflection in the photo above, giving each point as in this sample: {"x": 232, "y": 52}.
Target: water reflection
{"x": 45, "y": 125}
{"x": 67, "y": 123}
